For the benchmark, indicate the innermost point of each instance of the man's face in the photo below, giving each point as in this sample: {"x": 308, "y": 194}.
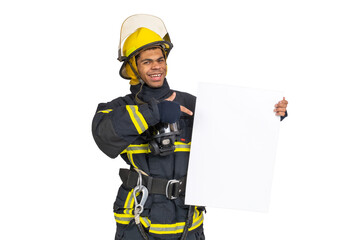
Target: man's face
{"x": 151, "y": 65}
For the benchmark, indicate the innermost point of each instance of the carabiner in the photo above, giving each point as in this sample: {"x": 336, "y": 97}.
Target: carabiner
{"x": 139, "y": 207}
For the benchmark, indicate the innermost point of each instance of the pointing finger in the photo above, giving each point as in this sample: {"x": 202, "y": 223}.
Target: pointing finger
{"x": 182, "y": 108}
{"x": 185, "y": 110}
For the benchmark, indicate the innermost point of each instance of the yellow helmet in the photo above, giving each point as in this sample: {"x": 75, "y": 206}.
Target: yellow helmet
{"x": 138, "y": 33}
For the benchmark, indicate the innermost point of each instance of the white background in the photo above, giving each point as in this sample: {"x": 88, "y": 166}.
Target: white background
{"x": 58, "y": 61}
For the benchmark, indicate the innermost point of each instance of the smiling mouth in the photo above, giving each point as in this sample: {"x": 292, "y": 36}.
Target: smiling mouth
{"x": 155, "y": 77}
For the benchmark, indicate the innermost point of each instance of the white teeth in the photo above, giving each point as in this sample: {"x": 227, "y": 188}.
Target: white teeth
{"x": 155, "y": 75}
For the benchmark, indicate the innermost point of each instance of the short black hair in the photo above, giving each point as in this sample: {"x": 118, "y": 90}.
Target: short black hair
{"x": 150, "y": 48}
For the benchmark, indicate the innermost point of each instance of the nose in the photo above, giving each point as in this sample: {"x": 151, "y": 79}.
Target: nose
{"x": 155, "y": 65}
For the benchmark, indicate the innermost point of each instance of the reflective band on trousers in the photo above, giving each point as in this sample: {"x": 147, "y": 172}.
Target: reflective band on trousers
{"x": 137, "y": 118}
{"x": 129, "y": 203}
{"x": 124, "y": 218}
{"x": 175, "y": 228}
{"x": 161, "y": 228}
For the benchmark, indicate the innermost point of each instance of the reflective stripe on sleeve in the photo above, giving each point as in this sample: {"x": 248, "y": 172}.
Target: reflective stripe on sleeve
{"x": 137, "y": 118}
{"x": 140, "y": 148}
{"x": 105, "y": 111}
{"x": 182, "y": 147}
{"x": 135, "y": 149}
{"x": 144, "y": 148}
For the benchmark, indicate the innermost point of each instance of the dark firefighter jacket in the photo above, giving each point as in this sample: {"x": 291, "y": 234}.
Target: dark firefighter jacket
{"x": 119, "y": 128}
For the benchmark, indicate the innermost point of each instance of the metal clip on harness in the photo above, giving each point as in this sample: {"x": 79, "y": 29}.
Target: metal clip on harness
{"x": 139, "y": 206}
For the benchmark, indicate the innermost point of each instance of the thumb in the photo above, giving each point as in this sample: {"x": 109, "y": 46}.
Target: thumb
{"x": 172, "y": 97}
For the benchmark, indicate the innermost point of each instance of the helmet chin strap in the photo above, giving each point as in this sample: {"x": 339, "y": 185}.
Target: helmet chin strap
{"x": 136, "y": 96}
{"x": 134, "y": 71}
{"x": 141, "y": 82}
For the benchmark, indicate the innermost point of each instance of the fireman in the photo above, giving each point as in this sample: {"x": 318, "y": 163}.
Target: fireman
{"x": 150, "y": 128}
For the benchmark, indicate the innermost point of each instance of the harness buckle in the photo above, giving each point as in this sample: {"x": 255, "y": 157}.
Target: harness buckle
{"x": 172, "y": 189}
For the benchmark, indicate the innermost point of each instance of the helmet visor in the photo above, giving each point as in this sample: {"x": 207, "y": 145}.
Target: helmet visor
{"x": 132, "y": 23}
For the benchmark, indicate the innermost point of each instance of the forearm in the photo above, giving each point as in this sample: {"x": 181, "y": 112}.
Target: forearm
{"x": 115, "y": 128}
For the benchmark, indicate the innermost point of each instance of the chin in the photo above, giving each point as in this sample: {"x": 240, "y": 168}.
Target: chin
{"x": 156, "y": 84}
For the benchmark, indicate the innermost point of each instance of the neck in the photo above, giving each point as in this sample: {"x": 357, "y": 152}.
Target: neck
{"x": 147, "y": 93}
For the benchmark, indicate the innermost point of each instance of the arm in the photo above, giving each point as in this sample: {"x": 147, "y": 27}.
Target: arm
{"x": 116, "y": 125}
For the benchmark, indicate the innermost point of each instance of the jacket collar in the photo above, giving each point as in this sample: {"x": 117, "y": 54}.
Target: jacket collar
{"x": 147, "y": 93}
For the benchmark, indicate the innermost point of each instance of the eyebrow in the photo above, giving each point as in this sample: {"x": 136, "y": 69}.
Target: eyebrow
{"x": 149, "y": 59}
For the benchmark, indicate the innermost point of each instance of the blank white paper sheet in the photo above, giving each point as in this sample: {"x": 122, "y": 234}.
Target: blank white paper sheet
{"x": 233, "y": 147}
